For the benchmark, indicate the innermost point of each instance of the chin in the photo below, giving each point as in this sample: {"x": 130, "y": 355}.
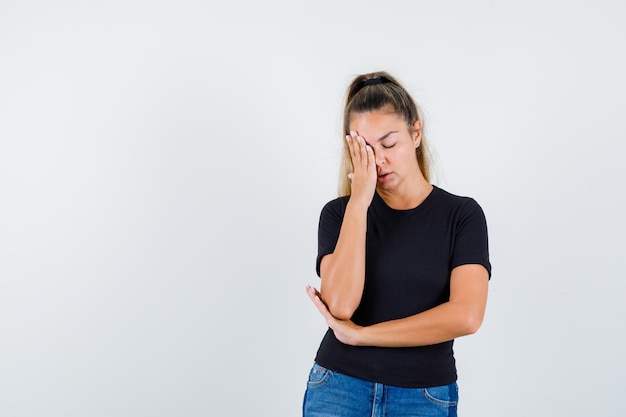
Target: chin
{"x": 386, "y": 186}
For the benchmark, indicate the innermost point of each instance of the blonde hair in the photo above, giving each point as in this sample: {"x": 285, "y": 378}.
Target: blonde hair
{"x": 371, "y": 92}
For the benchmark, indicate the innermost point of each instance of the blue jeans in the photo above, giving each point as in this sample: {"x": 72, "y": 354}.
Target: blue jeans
{"x": 332, "y": 394}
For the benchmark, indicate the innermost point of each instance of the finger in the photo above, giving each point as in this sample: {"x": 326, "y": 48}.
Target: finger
{"x": 314, "y": 295}
{"x": 353, "y": 147}
{"x": 362, "y": 150}
{"x": 371, "y": 158}
{"x": 357, "y": 143}
{"x": 319, "y": 294}
{"x": 350, "y": 141}
{"x": 311, "y": 292}
{"x": 321, "y": 307}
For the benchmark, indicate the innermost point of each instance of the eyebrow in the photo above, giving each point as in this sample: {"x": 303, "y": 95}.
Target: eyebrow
{"x": 386, "y": 135}
{"x": 383, "y": 137}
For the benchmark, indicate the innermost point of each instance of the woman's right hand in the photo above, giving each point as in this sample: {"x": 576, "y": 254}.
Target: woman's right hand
{"x": 363, "y": 178}
{"x": 343, "y": 271}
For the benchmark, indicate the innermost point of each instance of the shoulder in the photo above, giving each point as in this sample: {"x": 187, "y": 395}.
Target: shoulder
{"x": 334, "y": 210}
{"x": 456, "y": 202}
{"x": 337, "y": 205}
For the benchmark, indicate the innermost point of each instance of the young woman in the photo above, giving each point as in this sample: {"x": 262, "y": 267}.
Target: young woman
{"x": 404, "y": 268}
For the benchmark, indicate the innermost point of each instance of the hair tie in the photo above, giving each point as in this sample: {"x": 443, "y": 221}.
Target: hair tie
{"x": 376, "y": 80}
{"x": 371, "y": 81}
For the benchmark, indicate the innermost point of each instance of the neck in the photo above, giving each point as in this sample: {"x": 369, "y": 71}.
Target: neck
{"x": 408, "y": 196}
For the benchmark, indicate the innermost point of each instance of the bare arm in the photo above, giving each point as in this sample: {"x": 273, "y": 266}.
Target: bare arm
{"x": 343, "y": 271}
{"x": 460, "y": 316}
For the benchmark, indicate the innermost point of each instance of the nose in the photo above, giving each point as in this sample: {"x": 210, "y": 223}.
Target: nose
{"x": 380, "y": 159}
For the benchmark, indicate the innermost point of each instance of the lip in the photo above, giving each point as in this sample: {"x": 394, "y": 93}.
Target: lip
{"x": 384, "y": 176}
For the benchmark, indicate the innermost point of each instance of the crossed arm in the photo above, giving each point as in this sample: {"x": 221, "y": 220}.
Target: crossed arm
{"x": 343, "y": 275}
{"x": 460, "y": 316}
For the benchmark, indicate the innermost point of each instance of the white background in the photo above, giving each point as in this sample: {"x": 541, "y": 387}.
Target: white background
{"x": 163, "y": 165}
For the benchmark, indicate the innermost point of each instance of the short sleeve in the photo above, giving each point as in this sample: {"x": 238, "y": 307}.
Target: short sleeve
{"x": 470, "y": 241}
{"x": 330, "y": 222}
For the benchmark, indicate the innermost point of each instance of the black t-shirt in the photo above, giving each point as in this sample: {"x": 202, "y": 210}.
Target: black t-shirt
{"x": 409, "y": 257}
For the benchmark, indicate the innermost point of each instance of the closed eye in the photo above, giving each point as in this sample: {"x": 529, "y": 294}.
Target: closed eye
{"x": 389, "y": 146}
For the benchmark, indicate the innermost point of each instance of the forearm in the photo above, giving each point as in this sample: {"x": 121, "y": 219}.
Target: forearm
{"x": 460, "y": 316}
{"x": 437, "y": 325}
{"x": 343, "y": 272}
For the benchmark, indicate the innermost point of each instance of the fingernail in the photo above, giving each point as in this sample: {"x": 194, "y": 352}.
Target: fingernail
{"x": 352, "y": 133}
{"x": 348, "y": 138}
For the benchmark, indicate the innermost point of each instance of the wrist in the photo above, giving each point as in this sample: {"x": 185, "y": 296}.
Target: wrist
{"x": 361, "y": 336}
{"x": 358, "y": 204}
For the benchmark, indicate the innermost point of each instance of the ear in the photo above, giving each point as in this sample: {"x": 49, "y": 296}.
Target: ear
{"x": 416, "y": 133}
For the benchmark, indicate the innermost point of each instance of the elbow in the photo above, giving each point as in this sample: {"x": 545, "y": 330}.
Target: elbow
{"x": 472, "y": 328}
{"x": 471, "y": 324}
{"x": 342, "y": 315}
{"x": 341, "y": 312}
{"x": 341, "y": 308}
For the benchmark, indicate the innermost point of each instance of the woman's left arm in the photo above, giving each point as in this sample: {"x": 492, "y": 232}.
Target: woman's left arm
{"x": 460, "y": 316}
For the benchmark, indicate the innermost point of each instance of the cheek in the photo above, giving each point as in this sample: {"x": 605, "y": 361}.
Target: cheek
{"x": 407, "y": 155}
